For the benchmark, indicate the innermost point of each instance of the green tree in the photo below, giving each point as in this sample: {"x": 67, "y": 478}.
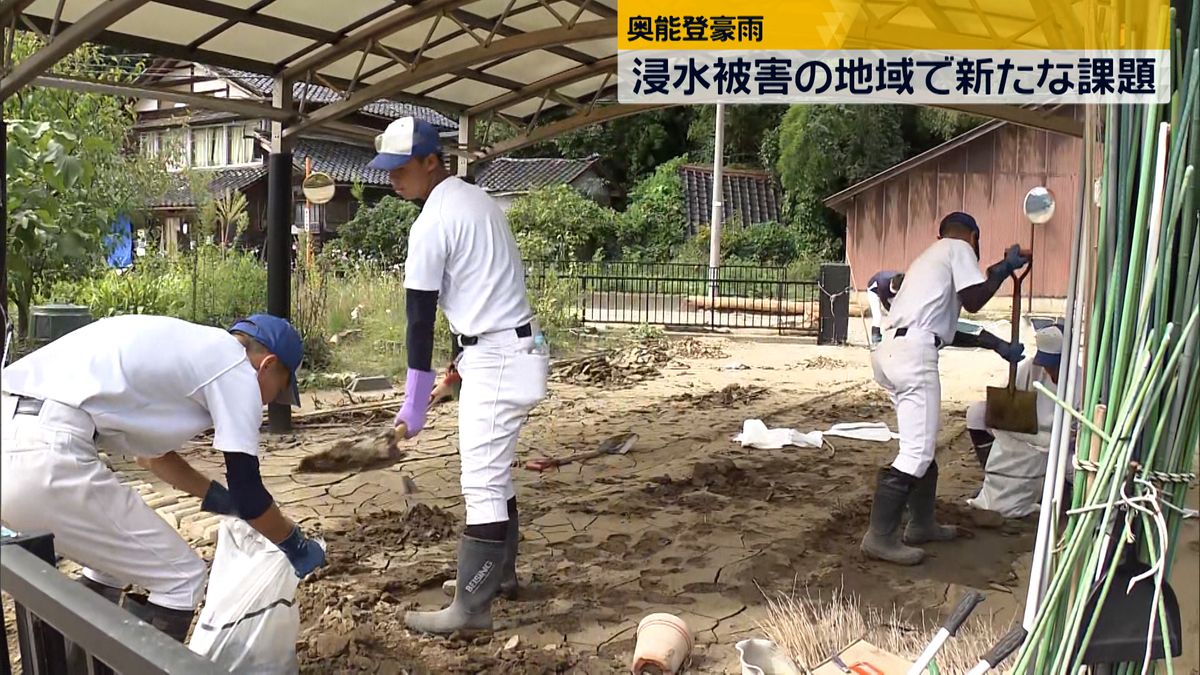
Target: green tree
{"x": 69, "y": 174}
{"x": 746, "y": 126}
{"x": 378, "y": 232}
{"x": 655, "y": 224}
{"x": 559, "y": 223}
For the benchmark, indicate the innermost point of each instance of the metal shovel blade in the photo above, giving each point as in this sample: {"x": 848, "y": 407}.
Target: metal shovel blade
{"x": 1011, "y": 409}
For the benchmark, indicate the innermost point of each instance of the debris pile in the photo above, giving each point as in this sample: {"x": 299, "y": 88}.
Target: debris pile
{"x": 730, "y": 395}
{"x": 624, "y": 366}
{"x": 822, "y": 363}
{"x": 691, "y": 348}
{"x": 354, "y": 454}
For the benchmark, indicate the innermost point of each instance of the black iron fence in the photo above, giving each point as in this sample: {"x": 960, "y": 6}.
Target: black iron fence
{"x": 684, "y": 294}
{"x": 51, "y": 609}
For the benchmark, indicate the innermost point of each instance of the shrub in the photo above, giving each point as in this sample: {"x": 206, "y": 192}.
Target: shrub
{"x": 114, "y": 293}
{"x": 559, "y": 223}
{"x": 378, "y": 233}
{"x": 761, "y": 244}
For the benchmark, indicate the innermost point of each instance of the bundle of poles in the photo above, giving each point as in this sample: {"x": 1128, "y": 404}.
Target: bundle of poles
{"x": 1127, "y": 426}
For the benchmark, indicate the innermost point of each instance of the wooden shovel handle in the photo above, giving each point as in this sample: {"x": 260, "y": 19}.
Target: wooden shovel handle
{"x": 1016, "y": 319}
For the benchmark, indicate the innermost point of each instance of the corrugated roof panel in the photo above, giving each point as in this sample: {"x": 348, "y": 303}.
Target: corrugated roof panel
{"x": 532, "y": 66}
{"x": 257, "y": 43}
{"x": 468, "y": 91}
{"x": 346, "y": 67}
{"x": 331, "y": 16}
{"x": 169, "y": 23}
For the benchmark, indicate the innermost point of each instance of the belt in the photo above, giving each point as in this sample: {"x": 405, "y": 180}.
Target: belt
{"x": 28, "y": 406}
{"x": 901, "y": 332}
{"x": 472, "y": 340}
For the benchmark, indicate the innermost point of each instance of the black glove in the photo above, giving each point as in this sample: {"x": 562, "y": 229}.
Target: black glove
{"x": 1013, "y": 260}
{"x": 305, "y": 554}
{"x": 1012, "y": 352}
{"x": 218, "y": 500}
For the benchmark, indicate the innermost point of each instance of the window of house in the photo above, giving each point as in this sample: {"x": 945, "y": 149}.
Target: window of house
{"x": 241, "y": 143}
{"x": 210, "y": 146}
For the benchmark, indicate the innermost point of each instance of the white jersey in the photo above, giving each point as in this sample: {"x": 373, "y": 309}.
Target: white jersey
{"x": 149, "y": 383}
{"x": 462, "y": 247}
{"x": 928, "y": 299}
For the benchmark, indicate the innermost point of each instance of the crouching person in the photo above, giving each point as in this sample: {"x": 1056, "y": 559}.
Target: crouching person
{"x": 142, "y": 386}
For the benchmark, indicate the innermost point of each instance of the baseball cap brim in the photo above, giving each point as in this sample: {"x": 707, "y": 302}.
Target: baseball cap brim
{"x": 290, "y": 395}
{"x": 1047, "y": 360}
{"x": 387, "y": 161}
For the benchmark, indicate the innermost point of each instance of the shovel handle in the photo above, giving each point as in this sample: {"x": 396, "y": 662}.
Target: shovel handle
{"x": 1016, "y": 319}
{"x": 1007, "y": 645}
{"x": 966, "y": 605}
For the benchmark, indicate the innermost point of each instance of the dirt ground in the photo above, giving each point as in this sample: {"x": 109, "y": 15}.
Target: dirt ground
{"x": 687, "y": 522}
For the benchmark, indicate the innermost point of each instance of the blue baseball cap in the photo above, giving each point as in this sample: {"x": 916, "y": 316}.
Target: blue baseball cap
{"x": 404, "y": 139}
{"x": 961, "y": 218}
{"x": 282, "y": 340}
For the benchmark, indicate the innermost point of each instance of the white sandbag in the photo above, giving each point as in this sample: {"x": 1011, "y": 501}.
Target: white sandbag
{"x": 1012, "y": 481}
{"x": 249, "y": 622}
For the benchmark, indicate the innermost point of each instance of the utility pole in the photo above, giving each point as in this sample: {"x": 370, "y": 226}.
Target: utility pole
{"x": 714, "y": 230}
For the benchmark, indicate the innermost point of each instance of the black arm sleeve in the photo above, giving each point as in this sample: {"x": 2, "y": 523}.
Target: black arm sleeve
{"x": 246, "y": 488}
{"x": 985, "y": 340}
{"x": 421, "y": 308}
{"x": 973, "y": 298}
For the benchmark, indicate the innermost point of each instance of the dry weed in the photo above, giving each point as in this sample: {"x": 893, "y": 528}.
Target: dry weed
{"x": 810, "y": 628}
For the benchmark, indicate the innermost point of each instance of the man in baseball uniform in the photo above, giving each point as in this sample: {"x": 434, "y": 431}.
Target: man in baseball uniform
{"x": 880, "y": 290}
{"x": 463, "y": 257}
{"x": 142, "y": 386}
{"x": 938, "y": 285}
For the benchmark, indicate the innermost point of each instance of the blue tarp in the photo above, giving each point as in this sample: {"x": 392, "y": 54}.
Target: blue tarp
{"x": 119, "y": 244}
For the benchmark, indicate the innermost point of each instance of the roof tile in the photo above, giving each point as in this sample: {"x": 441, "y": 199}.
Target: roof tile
{"x": 508, "y": 174}
{"x": 750, "y": 196}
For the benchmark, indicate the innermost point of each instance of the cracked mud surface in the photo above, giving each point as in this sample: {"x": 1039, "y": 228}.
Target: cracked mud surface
{"x": 687, "y": 522}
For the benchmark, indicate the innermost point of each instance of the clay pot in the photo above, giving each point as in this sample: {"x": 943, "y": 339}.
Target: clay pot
{"x": 763, "y": 657}
{"x": 664, "y": 643}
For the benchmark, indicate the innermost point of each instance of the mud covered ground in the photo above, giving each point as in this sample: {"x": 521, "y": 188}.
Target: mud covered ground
{"x": 687, "y": 522}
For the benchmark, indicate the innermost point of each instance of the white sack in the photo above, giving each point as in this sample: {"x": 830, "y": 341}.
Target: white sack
{"x": 249, "y": 622}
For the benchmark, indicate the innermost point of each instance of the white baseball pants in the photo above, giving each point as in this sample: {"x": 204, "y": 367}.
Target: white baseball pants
{"x": 907, "y": 367}
{"x": 53, "y": 480}
{"x": 876, "y": 306}
{"x": 503, "y": 378}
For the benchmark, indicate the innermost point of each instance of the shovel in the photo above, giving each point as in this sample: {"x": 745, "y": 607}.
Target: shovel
{"x": 615, "y": 445}
{"x": 1121, "y": 628}
{"x": 1007, "y": 408}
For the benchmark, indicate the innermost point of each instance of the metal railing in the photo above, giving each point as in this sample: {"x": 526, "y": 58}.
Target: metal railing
{"x": 45, "y": 598}
{"x": 685, "y": 294}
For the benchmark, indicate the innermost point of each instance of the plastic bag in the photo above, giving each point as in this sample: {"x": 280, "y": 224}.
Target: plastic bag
{"x": 249, "y": 622}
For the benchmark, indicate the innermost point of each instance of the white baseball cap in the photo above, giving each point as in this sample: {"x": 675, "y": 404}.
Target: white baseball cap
{"x": 404, "y": 139}
{"x": 1049, "y": 346}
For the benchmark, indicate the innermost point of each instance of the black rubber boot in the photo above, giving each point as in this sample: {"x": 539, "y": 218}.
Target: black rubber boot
{"x": 479, "y": 562}
{"x": 173, "y": 622}
{"x": 77, "y": 659}
{"x": 882, "y": 540}
{"x": 982, "y": 442}
{"x": 922, "y": 526}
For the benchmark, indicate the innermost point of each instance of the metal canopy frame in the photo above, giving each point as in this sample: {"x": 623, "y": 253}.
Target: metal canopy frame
{"x": 543, "y": 67}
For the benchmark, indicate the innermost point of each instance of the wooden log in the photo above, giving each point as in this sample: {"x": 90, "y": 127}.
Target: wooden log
{"x": 764, "y": 305}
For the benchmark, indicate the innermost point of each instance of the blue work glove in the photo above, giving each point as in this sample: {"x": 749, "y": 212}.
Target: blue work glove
{"x": 305, "y": 554}
{"x": 1012, "y": 352}
{"x": 418, "y": 386}
{"x": 218, "y": 500}
{"x": 876, "y": 336}
{"x": 1013, "y": 259}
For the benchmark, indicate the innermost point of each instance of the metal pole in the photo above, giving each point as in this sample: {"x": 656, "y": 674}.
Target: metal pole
{"x": 714, "y": 231}
{"x": 4, "y": 200}
{"x": 279, "y": 235}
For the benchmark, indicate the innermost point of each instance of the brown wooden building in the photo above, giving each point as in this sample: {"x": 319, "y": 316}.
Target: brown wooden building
{"x": 893, "y": 216}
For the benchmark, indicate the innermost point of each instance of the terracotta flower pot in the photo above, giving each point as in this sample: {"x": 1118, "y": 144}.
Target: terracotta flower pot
{"x": 664, "y": 643}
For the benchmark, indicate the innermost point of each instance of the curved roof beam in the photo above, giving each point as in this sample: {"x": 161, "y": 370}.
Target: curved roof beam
{"x": 87, "y": 27}
{"x": 517, "y": 44}
{"x": 576, "y": 121}
{"x": 537, "y": 89}
{"x": 363, "y": 38}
